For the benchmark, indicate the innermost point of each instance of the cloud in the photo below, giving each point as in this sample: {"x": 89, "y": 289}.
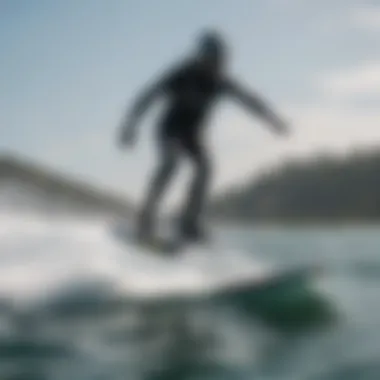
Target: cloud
{"x": 366, "y": 17}
{"x": 363, "y": 79}
{"x": 334, "y": 128}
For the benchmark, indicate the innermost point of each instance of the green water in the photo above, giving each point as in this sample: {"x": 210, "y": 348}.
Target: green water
{"x": 332, "y": 333}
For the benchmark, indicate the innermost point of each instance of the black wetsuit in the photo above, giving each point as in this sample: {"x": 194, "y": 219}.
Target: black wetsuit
{"x": 191, "y": 92}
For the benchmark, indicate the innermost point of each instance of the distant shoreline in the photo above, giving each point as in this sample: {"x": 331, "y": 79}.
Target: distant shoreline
{"x": 324, "y": 190}
{"x": 24, "y": 184}
{"x": 322, "y": 193}
{"x": 293, "y": 224}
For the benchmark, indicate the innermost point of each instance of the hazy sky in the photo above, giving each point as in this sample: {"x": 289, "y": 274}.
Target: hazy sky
{"x": 69, "y": 68}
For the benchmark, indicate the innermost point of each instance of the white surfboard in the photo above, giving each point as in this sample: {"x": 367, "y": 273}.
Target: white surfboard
{"x": 224, "y": 273}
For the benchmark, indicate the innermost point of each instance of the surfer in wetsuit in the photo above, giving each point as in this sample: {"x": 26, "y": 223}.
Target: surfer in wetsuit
{"x": 191, "y": 89}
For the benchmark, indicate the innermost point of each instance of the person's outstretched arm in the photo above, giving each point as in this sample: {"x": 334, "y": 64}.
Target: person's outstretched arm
{"x": 257, "y": 105}
{"x": 142, "y": 103}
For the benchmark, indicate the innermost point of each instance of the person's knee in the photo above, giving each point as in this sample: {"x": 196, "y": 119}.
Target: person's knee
{"x": 167, "y": 166}
{"x": 203, "y": 168}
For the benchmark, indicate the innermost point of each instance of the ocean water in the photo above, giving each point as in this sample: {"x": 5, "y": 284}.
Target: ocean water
{"x": 77, "y": 303}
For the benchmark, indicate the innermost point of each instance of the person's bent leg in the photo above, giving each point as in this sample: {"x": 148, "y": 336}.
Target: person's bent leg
{"x": 157, "y": 186}
{"x": 194, "y": 205}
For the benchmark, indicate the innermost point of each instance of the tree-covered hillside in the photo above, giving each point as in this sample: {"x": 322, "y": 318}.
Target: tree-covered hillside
{"x": 25, "y": 182}
{"x": 322, "y": 189}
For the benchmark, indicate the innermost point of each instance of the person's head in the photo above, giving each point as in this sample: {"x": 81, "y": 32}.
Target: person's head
{"x": 211, "y": 50}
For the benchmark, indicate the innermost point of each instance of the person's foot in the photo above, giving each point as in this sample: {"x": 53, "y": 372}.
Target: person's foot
{"x": 144, "y": 229}
{"x": 193, "y": 233}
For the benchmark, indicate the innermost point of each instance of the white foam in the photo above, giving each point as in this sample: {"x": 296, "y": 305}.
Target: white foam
{"x": 39, "y": 254}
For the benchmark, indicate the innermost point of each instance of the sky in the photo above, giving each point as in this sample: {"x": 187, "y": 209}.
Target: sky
{"x": 70, "y": 69}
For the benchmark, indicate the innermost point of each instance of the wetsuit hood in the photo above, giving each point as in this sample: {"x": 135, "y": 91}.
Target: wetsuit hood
{"x": 211, "y": 46}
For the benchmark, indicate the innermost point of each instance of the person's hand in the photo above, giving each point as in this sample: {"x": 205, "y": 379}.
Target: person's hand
{"x": 281, "y": 127}
{"x": 128, "y": 135}
{"x": 127, "y": 138}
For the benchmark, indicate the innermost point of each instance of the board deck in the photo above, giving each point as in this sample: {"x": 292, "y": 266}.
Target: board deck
{"x": 164, "y": 242}
{"x": 160, "y": 245}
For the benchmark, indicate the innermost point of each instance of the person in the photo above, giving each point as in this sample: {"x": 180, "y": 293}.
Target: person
{"x": 191, "y": 89}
